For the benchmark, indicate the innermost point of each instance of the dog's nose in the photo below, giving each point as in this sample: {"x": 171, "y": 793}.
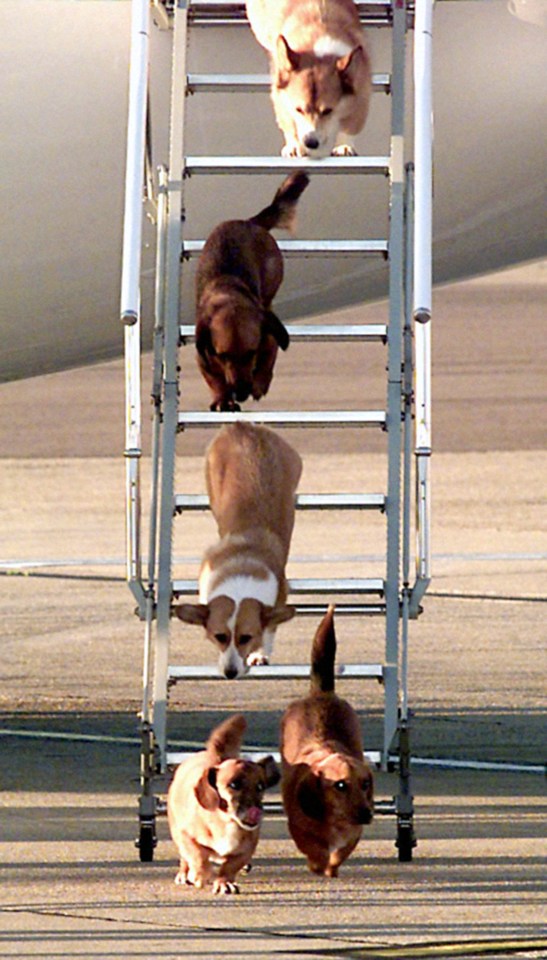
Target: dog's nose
{"x": 230, "y": 673}
{"x": 365, "y": 815}
{"x": 311, "y": 141}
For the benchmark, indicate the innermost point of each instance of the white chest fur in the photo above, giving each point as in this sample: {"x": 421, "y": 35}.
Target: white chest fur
{"x": 229, "y": 842}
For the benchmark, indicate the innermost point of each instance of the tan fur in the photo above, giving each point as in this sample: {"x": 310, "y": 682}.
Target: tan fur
{"x": 251, "y": 476}
{"x": 214, "y": 806}
{"x": 327, "y": 784}
{"x": 239, "y": 273}
{"x": 320, "y": 69}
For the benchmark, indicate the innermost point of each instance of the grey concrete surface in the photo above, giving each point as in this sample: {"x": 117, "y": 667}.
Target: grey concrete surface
{"x": 71, "y": 664}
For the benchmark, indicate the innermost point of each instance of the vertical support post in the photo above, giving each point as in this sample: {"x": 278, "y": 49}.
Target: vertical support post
{"x": 130, "y": 307}
{"x": 159, "y": 301}
{"x": 423, "y": 151}
{"x": 395, "y": 331}
{"x": 171, "y": 342}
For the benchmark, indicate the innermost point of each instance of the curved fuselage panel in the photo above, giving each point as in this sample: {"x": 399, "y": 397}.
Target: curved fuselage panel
{"x": 64, "y": 110}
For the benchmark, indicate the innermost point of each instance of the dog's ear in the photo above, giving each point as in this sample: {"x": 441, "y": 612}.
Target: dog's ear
{"x": 273, "y": 616}
{"x": 206, "y": 789}
{"x": 287, "y": 60}
{"x": 192, "y": 613}
{"x": 277, "y": 329}
{"x": 204, "y": 344}
{"x": 271, "y": 771}
{"x": 347, "y": 67}
{"x": 309, "y": 796}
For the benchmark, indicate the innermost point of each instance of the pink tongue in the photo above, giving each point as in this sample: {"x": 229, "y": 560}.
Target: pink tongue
{"x": 253, "y": 816}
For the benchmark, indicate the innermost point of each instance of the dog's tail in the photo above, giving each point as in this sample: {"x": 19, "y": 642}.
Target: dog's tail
{"x": 225, "y": 740}
{"x": 323, "y": 655}
{"x": 282, "y": 210}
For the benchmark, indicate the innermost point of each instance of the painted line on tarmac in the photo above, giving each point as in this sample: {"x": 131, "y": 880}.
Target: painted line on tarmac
{"x": 195, "y": 745}
{"x": 447, "y": 950}
{"x": 17, "y": 565}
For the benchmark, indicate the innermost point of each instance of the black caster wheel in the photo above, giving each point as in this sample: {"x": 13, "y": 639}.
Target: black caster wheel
{"x": 405, "y": 842}
{"x": 146, "y": 843}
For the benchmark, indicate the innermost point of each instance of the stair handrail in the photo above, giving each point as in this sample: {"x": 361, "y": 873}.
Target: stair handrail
{"x": 130, "y": 299}
{"x": 423, "y": 163}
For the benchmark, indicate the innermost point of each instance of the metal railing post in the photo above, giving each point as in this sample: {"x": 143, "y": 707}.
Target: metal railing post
{"x": 130, "y": 307}
{"x": 423, "y": 152}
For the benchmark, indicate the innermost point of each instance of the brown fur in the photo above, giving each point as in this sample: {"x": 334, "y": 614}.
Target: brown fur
{"x": 214, "y": 806}
{"x": 327, "y": 784}
{"x": 320, "y": 69}
{"x": 239, "y": 272}
{"x": 251, "y": 476}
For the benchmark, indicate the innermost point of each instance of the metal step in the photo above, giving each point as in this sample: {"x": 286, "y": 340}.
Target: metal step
{"x": 304, "y": 501}
{"x": 309, "y": 248}
{"x": 285, "y": 418}
{"x": 256, "y": 83}
{"x": 374, "y": 757}
{"x": 316, "y": 333}
{"x": 278, "y": 671}
{"x": 348, "y": 585}
{"x": 374, "y": 13}
{"x": 283, "y": 165}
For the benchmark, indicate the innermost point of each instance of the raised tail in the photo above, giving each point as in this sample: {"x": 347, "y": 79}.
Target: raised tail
{"x": 323, "y": 655}
{"x": 282, "y": 210}
{"x": 225, "y": 740}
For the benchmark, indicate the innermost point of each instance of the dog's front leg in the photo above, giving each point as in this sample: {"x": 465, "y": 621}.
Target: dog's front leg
{"x": 195, "y": 866}
{"x": 261, "y": 657}
{"x": 226, "y": 879}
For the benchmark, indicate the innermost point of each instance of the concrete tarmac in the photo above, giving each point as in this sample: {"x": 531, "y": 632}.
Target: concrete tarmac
{"x": 72, "y": 885}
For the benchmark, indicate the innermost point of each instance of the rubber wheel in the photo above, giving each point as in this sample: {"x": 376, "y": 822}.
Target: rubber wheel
{"x": 405, "y": 843}
{"x": 146, "y": 844}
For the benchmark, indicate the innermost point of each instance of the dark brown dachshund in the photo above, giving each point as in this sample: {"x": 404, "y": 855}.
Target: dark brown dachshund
{"x": 327, "y": 784}
{"x": 239, "y": 272}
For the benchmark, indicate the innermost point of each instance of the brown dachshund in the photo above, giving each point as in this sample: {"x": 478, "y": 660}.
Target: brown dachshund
{"x": 214, "y": 806}
{"x": 239, "y": 272}
{"x": 327, "y": 784}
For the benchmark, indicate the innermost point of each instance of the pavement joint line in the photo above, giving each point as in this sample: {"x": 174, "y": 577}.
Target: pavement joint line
{"x": 479, "y": 765}
{"x": 6, "y": 565}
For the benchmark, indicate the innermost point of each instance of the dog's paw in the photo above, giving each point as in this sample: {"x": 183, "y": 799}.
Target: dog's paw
{"x": 344, "y": 150}
{"x": 224, "y": 886}
{"x": 258, "y": 659}
{"x": 293, "y": 150}
{"x": 182, "y": 878}
{"x": 225, "y": 406}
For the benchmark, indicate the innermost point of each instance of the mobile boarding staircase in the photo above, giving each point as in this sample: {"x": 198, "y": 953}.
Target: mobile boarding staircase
{"x": 407, "y": 419}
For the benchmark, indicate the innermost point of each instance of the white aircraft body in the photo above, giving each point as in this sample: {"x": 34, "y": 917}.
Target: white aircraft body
{"x": 65, "y": 66}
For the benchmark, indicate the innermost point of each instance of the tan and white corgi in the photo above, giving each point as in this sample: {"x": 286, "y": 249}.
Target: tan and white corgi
{"x": 251, "y": 476}
{"x": 320, "y": 71}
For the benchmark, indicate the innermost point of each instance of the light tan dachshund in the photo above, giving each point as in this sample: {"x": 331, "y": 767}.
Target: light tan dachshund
{"x": 327, "y": 784}
{"x": 320, "y": 72}
{"x": 214, "y": 806}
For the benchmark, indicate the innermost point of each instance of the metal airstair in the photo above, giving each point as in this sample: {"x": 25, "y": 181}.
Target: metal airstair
{"x": 394, "y": 595}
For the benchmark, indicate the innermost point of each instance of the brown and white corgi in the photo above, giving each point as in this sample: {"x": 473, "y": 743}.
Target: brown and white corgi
{"x": 320, "y": 72}
{"x": 251, "y": 476}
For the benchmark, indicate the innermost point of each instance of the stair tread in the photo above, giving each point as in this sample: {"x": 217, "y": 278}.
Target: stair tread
{"x": 316, "y": 332}
{"x": 309, "y": 248}
{"x": 305, "y": 585}
{"x": 278, "y": 165}
{"x": 309, "y": 501}
{"x": 289, "y": 671}
{"x": 254, "y": 82}
{"x": 288, "y": 418}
